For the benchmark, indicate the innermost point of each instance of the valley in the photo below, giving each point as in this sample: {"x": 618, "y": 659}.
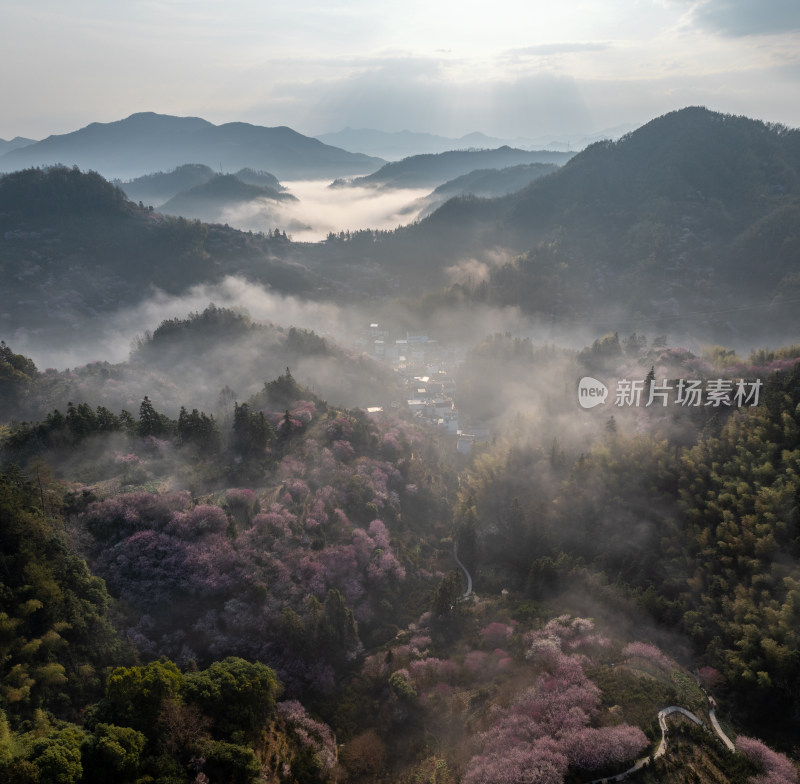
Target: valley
{"x": 310, "y": 500}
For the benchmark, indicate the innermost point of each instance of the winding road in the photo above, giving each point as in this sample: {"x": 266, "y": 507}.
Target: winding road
{"x": 712, "y": 714}
{"x": 463, "y": 569}
{"x": 662, "y": 714}
{"x": 662, "y": 747}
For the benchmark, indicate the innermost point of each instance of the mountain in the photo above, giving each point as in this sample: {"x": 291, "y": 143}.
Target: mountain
{"x": 261, "y": 178}
{"x": 75, "y": 250}
{"x": 402, "y": 144}
{"x": 394, "y": 146}
{"x": 148, "y": 142}
{"x": 218, "y": 346}
{"x": 424, "y": 171}
{"x": 693, "y": 203}
{"x": 689, "y": 225}
{"x": 15, "y": 143}
{"x": 211, "y": 200}
{"x": 488, "y": 183}
{"x": 203, "y": 352}
{"x": 157, "y": 188}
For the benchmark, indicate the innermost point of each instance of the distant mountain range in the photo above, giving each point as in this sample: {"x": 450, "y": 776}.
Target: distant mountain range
{"x": 432, "y": 170}
{"x": 395, "y": 145}
{"x": 148, "y": 142}
{"x": 14, "y": 144}
{"x": 690, "y": 223}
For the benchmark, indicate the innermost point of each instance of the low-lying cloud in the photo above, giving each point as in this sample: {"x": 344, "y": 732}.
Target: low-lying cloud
{"x": 115, "y": 336}
{"x": 321, "y": 210}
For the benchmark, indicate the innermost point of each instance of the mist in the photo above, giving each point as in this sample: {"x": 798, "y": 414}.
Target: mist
{"x": 321, "y": 210}
{"x": 110, "y": 338}
{"x": 114, "y": 336}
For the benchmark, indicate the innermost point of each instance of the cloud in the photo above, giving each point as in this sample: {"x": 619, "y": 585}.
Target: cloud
{"x": 451, "y": 98}
{"x": 469, "y": 271}
{"x": 558, "y": 48}
{"x": 113, "y": 341}
{"x": 321, "y": 210}
{"x": 739, "y": 18}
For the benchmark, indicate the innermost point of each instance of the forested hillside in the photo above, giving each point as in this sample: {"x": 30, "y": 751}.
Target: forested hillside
{"x": 690, "y": 222}
{"x": 299, "y": 557}
{"x": 223, "y": 193}
{"x": 73, "y": 248}
{"x": 691, "y": 513}
{"x": 157, "y": 188}
{"x": 433, "y": 169}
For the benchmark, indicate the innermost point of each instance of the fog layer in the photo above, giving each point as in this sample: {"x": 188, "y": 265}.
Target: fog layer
{"x": 321, "y": 210}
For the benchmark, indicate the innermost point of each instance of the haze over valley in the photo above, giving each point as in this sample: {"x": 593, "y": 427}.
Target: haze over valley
{"x": 400, "y": 399}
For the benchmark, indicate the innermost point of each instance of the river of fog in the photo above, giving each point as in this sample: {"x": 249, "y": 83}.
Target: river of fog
{"x": 321, "y": 209}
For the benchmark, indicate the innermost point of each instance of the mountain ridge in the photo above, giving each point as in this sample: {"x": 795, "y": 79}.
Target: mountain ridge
{"x": 15, "y": 143}
{"x": 146, "y": 142}
{"x": 694, "y": 212}
{"x": 433, "y": 169}
{"x": 209, "y": 201}
{"x": 396, "y": 145}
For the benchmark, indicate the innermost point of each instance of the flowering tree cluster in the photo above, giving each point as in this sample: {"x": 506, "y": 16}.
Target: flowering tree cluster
{"x": 649, "y": 654}
{"x": 214, "y": 579}
{"x": 315, "y": 741}
{"x": 775, "y": 767}
{"x": 546, "y": 730}
{"x": 496, "y": 634}
{"x": 710, "y": 677}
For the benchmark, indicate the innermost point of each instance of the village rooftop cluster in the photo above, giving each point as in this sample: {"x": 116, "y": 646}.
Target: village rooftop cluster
{"x": 428, "y": 371}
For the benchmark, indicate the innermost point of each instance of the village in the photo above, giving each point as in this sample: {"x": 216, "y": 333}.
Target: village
{"x": 427, "y": 370}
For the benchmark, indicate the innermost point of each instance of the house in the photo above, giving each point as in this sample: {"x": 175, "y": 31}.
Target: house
{"x": 464, "y": 443}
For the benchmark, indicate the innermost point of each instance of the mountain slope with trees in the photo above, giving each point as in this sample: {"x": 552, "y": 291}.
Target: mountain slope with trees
{"x": 302, "y": 552}
{"x": 158, "y": 188}
{"x": 73, "y": 248}
{"x": 430, "y": 170}
{"x": 487, "y": 183}
{"x": 223, "y": 193}
{"x": 692, "y": 221}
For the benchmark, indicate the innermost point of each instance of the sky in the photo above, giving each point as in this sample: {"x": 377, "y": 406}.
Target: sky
{"x": 507, "y": 68}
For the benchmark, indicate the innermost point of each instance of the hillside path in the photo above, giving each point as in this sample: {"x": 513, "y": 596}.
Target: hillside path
{"x": 662, "y": 746}
{"x": 712, "y": 714}
{"x": 463, "y": 569}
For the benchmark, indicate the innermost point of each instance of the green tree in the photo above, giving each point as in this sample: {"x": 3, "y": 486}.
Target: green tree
{"x": 17, "y": 375}
{"x": 113, "y": 753}
{"x": 237, "y": 695}
{"x": 135, "y": 695}
{"x": 54, "y": 634}
{"x": 228, "y": 763}
{"x": 58, "y": 756}
{"x": 401, "y": 688}
{"x": 446, "y": 595}
{"x": 151, "y": 423}
{"x": 251, "y": 431}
